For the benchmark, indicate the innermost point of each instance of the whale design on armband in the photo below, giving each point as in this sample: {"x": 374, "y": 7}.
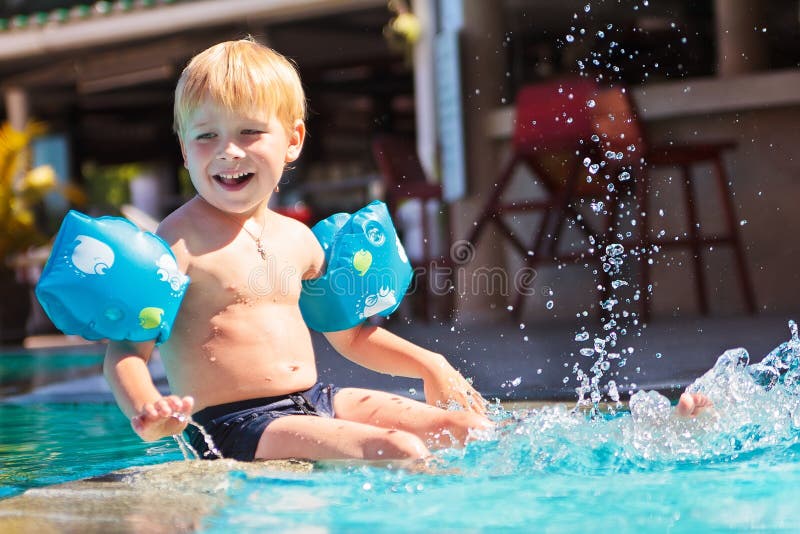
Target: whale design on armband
{"x": 106, "y": 279}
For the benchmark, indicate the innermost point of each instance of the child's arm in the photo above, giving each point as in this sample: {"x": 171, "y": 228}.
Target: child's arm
{"x": 382, "y": 351}
{"x": 152, "y": 415}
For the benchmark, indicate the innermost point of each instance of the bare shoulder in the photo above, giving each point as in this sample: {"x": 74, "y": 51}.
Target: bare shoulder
{"x": 293, "y": 228}
{"x": 310, "y": 250}
{"x": 177, "y": 224}
{"x": 178, "y": 228}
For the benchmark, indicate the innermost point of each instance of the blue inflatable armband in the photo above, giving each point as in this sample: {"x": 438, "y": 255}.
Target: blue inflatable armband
{"x": 107, "y": 279}
{"x": 367, "y": 273}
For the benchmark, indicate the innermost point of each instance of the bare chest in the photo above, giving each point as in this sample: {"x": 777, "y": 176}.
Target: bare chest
{"x": 243, "y": 271}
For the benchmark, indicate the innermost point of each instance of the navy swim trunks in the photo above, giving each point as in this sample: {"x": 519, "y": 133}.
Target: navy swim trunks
{"x": 236, "y": 427}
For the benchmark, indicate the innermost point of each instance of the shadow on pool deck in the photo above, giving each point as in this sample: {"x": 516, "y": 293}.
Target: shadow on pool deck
{"x": 506, "y": 365}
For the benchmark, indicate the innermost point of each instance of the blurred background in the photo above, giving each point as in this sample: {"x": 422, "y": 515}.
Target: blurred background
{"x": 710, "y": 101}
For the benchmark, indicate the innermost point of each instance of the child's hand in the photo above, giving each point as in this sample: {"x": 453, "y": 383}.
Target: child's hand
{"x": 167, "y": 416}
{"x": 443, "y": 384}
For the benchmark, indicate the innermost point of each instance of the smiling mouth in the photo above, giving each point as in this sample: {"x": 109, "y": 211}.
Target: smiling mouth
{"x": 233, "y": 179}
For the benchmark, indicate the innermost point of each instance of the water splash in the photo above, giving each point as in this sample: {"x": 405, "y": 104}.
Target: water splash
{"x": 756, "y": 408}
{"x": 189, "y": 452}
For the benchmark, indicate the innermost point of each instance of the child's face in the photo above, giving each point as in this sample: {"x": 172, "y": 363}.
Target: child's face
{"x": 236, "y": 160}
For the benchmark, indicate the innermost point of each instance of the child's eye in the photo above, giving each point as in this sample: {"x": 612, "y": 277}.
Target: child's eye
{"x": 251, "y": 132}
{"x": 207, "y": 135}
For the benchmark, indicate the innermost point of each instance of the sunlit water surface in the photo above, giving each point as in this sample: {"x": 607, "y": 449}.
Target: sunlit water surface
{"x": 736, "y": 466}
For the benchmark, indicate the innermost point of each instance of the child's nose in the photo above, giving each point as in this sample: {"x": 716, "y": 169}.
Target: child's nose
{"x": 231, "y": 150}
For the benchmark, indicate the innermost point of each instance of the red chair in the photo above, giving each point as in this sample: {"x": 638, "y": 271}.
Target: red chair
{"x": 298, "y": 211}
{"x": 617, "y": 118}
{"x": 405, "y": 179}
{"x": 552, "y": 137}
{"x": 558, "y": 125}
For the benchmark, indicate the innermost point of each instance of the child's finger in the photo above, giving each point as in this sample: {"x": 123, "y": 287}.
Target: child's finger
{"x": 163, "y": 408}
{"x": 174, "y": 403}
{"x": 478, "y": 405}
{"x": 187, "y": 405}
{"x": 476, "y": 402}
{"x": 149, "y": 410}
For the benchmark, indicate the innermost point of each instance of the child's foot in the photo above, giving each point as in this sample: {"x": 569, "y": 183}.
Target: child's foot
{"x": 692, "y": 404}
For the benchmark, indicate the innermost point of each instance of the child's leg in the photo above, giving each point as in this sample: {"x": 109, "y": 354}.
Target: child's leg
{"x": 319, "y": 438}
{"x": 387, "y": 410}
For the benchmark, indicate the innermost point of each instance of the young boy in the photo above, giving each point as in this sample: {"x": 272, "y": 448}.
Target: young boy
{"x": 240, "y": 358}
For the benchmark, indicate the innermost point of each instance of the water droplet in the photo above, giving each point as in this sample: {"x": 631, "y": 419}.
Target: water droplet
{"x": 614, "y": 249}
{"x": 549, "y": 305}
{"x": 609, "y": 304}
{"x": 591, "y": 103}
{"x": 582, "y": 336}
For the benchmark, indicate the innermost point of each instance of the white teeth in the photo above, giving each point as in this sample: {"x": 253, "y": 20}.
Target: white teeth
{"x": 233, "y": 176}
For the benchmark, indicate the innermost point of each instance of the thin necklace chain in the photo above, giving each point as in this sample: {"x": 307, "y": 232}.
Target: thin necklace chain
{"x": 259, "y": 246}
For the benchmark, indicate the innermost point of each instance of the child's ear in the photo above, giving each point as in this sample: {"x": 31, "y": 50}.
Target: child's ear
{"x": 183, "y": 152}
{"x": 297, "y": 135}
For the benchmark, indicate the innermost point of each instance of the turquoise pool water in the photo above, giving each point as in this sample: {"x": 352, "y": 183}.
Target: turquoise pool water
{"x": 42, "y": 444}
{"x": 550, "y": 469}
{"x": 19, "y": 371}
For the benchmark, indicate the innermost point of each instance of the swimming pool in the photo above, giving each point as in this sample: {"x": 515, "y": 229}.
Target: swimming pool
{"x": 549, "y": 469}
{"x": 21, "y": 371}
{"x": 43, "y": 444}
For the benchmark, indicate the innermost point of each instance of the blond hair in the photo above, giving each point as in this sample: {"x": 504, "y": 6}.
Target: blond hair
{"x": 243, "y": 76}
